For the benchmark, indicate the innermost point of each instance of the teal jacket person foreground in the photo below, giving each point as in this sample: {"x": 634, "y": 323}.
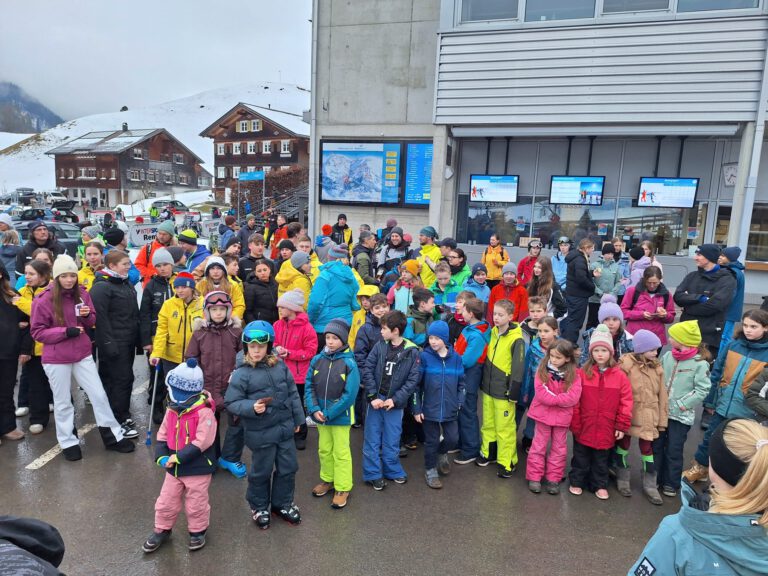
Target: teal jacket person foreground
{"x": 332, "y": 384}
{"x": 694, "y": 541}
{"x": 333, "y": 296}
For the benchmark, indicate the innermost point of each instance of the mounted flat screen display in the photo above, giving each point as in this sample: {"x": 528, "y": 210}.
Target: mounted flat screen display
{"x": 493, "y": 188}
{"x": 667, "y": 192}
{"x": 577, "y": 190}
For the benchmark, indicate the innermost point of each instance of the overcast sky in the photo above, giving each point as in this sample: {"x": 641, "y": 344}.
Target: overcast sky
{"x": 82, "y": 57}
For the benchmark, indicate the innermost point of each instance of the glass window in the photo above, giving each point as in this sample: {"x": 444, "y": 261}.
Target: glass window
{"x": 488, "y": 10}
{"x": 612, "y": 6}
{"x": 671, "y": 230}
{"x": 550, "y": 221}
{"x": 697, "y": 5}
{"x": 543, "y": 10}
{"x": 757, "y": 245}
{"x": 510, "y": 221}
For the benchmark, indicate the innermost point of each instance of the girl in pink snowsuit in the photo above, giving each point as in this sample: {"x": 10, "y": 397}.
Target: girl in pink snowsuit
{"x": 558, "y": 388}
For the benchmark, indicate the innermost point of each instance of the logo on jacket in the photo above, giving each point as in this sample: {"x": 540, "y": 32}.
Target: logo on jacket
{"x": 175, "y": 314}
{"x": 645, "y": 568}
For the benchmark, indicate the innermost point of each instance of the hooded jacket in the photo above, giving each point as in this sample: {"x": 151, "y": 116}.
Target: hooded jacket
{"x": 637, "y": 268}
{"x": 235, "y": 292}
{"x": 118, "y": 312}
{"x": 323, "y": 245}
{"x": 650, "y": 404}
{"x": 143, "y": 261}
{"x": 517, "y": 294}
{"x": 440, "y": 393}
{"x": 609, "y": 281}
{"x": 533, "y": 356}
{"x": 333, "y": 296}
{"x": 445, "y": 299}
{"x": 189, "y": 431}
{"x": 697, "y": 542}
{"x": 341, "y": 234}
{"x": 605, "y": 406}
{"x": 494, "y": 260}
{"x": 735, "y": 310}
{"x": 280, "y": 234}
{"x": 200, "y": 254}
{"x": 504, "y": 368}
{"x": 86, "y": 277}
{"x": 299, "y": 338}
{"x": 481, "y": 291}
{"x": 362, "y": 260}
{"x": 405, "y": 376}
{"x": 8, "y": 254}
{"x": 289, "y": 278}
{"x": 333, "y": 382}
{"x": 390, "y": 257}
{"x": 215, "y": 347}
{"x": 757, "y": 396}
{"x": 461, "y": 275}
{"x": 472, "y": 344}
{"x": 58, "y": 347}
{"x": 247, "y": 264}
{"x": 26, "y": 295}
{"x": 525, "y": 269}
{"x": 687, "y": 383}
{"x": 260, "y": 299}
{"x": 737, "y": 366}
{"x": 269, "y": 378}
{"x": 367, "y": 337}
{"x": 706, "y": 297}
{"x": 579, "y": 277}
{"x": 156, "y": 292}
{"x": 431, "y": 251}
{"x": 560, "y": 268}
{"x": 552, "y": 404}
{"x": 648, "y": 302}
{"x": 417, "y": 324}
{"x": 174, "y": 328}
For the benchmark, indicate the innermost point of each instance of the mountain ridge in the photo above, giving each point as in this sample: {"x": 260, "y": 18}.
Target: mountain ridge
{"x": 23, "y": 114}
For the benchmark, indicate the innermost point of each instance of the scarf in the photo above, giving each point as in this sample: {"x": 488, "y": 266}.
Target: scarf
{"x": 556, "y": 374}
{"x": 456, "y": 269}
{"x": 685, "y": 354}
{"x": 114, "y": 274}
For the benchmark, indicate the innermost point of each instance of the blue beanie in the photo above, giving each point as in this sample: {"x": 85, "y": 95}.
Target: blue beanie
{"x": 439, "y": 328}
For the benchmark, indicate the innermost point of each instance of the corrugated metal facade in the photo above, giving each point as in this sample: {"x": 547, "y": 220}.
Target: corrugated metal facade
{"x": 679, "y": 71}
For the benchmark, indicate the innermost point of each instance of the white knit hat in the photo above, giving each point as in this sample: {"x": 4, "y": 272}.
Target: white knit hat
{"x": 184, "y": 381}
{"x": 6, "y": 219}
{"x": 63, "y": 264}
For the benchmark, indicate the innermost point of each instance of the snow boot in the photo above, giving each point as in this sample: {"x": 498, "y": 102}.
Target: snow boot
{"x": 622, "y": 481}
{"x": 650, "y": 489}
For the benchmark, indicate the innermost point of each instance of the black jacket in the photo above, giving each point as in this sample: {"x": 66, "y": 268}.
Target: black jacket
{"x": 156, "y": 292}
{"x": 242, "y": 235}
{"x": 10, "y": 343}
{"x": 260, "y": 300}
{"x": 579, "y": 281}
{"x": 29, "y": 546}
{"x": 117, "y": 314}
{"x": 25, "y": 254}
{"x": 706, "y": 296}
{"x": 558, "y": 301}
{"x": 248, "y": 264}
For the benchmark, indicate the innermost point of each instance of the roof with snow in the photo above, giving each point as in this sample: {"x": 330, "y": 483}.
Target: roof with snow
{"x": 114, "y": 142}
{"x": 290, "y": 121}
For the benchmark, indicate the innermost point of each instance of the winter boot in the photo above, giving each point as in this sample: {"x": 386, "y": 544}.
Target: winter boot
{"x": 696, "y": 473}
{"x": 433, "y": 479}
{"x": 650, "y": 489}
{"x": 622, "y": 481}
{"x": 155, "y": 540}
{"x": 443, "y": 465}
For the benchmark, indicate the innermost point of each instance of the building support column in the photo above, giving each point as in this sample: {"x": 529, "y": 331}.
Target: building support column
{"x": 739, "y": 189}
{"x": 442, "y": 202}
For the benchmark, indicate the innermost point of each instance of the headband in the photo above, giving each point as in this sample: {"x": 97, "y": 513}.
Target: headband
{"x": 723, "y": 461}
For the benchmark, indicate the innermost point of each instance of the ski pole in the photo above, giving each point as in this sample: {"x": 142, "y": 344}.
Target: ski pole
{"x": 153, "y": 377}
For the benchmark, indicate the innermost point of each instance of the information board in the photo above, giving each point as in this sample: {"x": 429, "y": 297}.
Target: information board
{"x": 667, "y": 192}
{"x": 577, "y": 190}
{"x": 418, "y": 172}
{"x": 493, "y": 188}
{"x": 360, "y": 172}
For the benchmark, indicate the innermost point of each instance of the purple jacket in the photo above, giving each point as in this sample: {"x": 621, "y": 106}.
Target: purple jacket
{"x": 552, "y": 404}
{"x": 636, "y": 270}
{"x": 57, "y": 348}
{"x": 647, "y": 302}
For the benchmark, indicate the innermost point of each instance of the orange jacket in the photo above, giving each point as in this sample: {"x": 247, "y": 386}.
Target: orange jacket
{"x": 516, "y": 294}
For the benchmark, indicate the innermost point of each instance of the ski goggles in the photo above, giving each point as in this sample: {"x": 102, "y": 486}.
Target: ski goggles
{"x": 258, "y": 336}
{"x": 218, "y": 299}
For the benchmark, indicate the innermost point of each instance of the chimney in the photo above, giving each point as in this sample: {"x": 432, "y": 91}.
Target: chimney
{"x": 125, "y": 126}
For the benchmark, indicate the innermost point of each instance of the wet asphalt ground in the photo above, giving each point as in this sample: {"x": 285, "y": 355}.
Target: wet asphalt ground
{"x": 477, "y": 524}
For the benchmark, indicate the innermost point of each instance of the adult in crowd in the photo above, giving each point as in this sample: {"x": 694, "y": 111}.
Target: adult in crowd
{"x": 559, "y": 266}
{"x": 391, "y": 256}
{"x": 260, "y": 293}
{"x": 334, "y": 294}
{"x": 230, "y": 223}
{"x": 6, "y": 222}
{"x": 277, "y": 235}
{"x": 580, "y": 280}
{"x": 195, "y": 252}
{"x": 638, "y": 262}
{"x": 9, "y": 248}
{"x": 724, "y": 531}
{"x": 341, "y": 233}
{"x": 622, "y": 259}
{"x": 543, "y": 285}
{"x": 647, "y": 247}
{"x": 429, "y": 254}
{"x": 256, "y": 247}
{"x": 245, "y": 233}
{"x": 460, "y": 270}
{"x": 166, "y": 232}
{"x": 649, "y": 305}
{"x": 386, "y": 231}
{"x": 296, "y": 272}
{"x": 609, "y": 282}
{"x": 10, "y": 348}
{"x": 39, "y": 237}
{"x": 323, "y": 242}
{"x": 525, "y": 267}
{"x": 494, "y": 257}
{"x": 729, "y": 260}
{"x": 115, "y": 239}
{"x": 363, "y": 258}
{"x": 705, "y": 295}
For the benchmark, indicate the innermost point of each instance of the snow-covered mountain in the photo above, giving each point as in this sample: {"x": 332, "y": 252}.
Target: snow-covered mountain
{"x": 27, "y": 165}
{"x": 10, "y": 138}
{"x": 20, "y": 112}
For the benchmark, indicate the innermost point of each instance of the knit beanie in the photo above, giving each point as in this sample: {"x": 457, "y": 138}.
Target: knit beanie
{"x": 338, "y": 252}
{"x": 168, "y": 227}
{"x": 184, "y": 280}
{"x": 217, "y": 298}
{"x": 338, "y": 328}
{"x": 34, "y": 225}
{"x": 407, "y": 238}
{"x": 340, "y": 216}
{"x": 299, "y": 258}
{"x": 687, "y": 333}
{"x": 439, "y": 328}
{"x": 327, "y": 229}
{"x": 732, "y": 253}
{"x": 391, "y": 223}
{"x": 412, "y": 266}
{"x": 396, "y": 230}
{"x": 645, "y": 341}
{"x": 292, "y": 299}
{"x": 114, "y": 236}
{"x": 509, "y": 267}
{"x": 188, "y": 237}
{"x": 609, "y": 308}
{"x": 710, "y": 251}
{"x": 215, "y": 261}
{"x": 232, "y": 241}
{"x": 428, "y": 231}
{"x": 6, "y": 219}
{"x": 162, "y": 256}
{"x": 184, "y": 381}
{"x": 91, "y": 231}
{"x": 64, "y": 264}
{"x": 479, "y": 268}
{"x": 601, "y": 336}
{"x": 636, "y": 253}
{"x": 286, "y": 244}
{"x": 176, "y": 252}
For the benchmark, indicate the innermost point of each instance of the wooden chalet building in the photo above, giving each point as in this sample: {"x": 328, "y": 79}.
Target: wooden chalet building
{"x": 128, "y": 165}
{"x": 250, "y": 137}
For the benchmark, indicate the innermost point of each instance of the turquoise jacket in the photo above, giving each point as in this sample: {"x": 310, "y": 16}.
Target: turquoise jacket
{"x": 697, "y": 542}
{"x": 331, "y": 386}
{"x": 533, "y": 356}
{"x": 687, "y": 385}
{"x": 333, "y": 296}
{"x": 481, "y": 291}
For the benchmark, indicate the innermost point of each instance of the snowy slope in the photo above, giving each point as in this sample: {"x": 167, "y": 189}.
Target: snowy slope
{"x": 9, "y": 139}
{"x": 185, "y": 118}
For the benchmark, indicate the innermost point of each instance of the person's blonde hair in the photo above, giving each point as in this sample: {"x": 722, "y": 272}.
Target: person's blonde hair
{"x": 750, "y": 495}
{"x": 10, "y": 238}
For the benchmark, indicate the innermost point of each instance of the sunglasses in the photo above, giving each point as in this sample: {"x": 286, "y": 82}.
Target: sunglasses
{"x": 258, "y": 336}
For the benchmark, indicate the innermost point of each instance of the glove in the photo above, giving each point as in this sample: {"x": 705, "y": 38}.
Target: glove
{"x": 73, "y": 332}
{"x": 162, "y": 461}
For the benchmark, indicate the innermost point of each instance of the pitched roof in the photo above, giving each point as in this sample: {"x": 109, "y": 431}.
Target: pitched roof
{"x": 289, "y": 121}
{"x": 115, "y": 142}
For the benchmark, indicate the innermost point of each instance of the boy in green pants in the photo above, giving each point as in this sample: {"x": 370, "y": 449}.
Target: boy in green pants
{"x": 331, "y": 387}
{"x": 500, "y": 390}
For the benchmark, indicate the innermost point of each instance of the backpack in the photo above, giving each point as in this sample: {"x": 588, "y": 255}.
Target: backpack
{"x": 636, "y": 296}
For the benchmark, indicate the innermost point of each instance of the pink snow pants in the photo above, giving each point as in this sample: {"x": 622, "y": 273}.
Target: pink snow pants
{"x": 168, "y": 504}
{"x": 539, "y": 466}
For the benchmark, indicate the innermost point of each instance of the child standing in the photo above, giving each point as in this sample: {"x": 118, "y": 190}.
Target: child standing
{"x": 94, "y": 262}
{"x": 263, "y": 394}
{"x": 367, "y": 337}
{"x": 649, "y": 413}
{"x": 456, "y": 322}
{"x": 558, "y": 389}
{"x": 500, "y": 390}
{"x": 437, "y": 402}
{"x": 420, "y": 315}
{"x": 330, "y": 397}
{"x": 472, "y": 347}
{"x": 185, "y": 448}
{"x": 610, "y": 315}
{"x": 445, "y": 290}
{"x": 509, "y": 289}
{"x": 174, "y": 323}
{"x": 537, "y": 309}
{"x": 602, "y": 416}
{"x": 358, "y": 318}
{"x": 216, "y": 279}
{"x": 390, "y": 376}
{"x": 686, "y": 377}
{"x": 400, "y": 296}
{"x": 477, "y": 284}
{"x": 260, "y": 293}
{"x": 215, "y": 343}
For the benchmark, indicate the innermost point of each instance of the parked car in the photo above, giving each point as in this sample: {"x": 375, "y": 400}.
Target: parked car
{"x": 68, "y": 234}
{"x": 54, "y": 197}
{"x": 173, "y": 204}
{"x": 59, "y": 212}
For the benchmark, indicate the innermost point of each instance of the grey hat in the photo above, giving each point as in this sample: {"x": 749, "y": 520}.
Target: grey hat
{"x": 168, "y": 227}
{"x": 91, "y": 231}
{"x": 161, "y": 256}
{"x": 338, "y": 328}
{"x": 176, "y": 252}
{"x": 6, "y": 219}
{"x": 299, "y": 258}
{"x": 509, "y": 267}
{"x": 292, "y": 299}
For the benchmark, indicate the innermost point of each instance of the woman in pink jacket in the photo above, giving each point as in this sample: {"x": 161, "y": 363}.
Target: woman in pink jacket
{"x": 649, "y": 305}
{"x": 558, "y": 388}
{"x": 60, "y": 317}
